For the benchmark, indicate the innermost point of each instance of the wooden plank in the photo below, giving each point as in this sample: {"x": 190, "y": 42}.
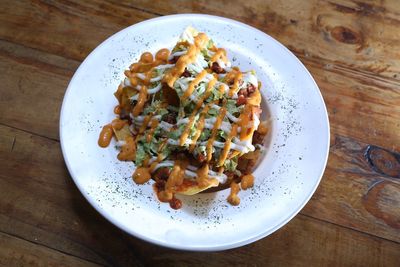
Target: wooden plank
{"x": 342, "y": 32}
{"x": 33, "y": 86}
{"x": 47, "y": 209}
{"x": 19, "y": 252}
{"x": 302, "y": 242}
{"x": 70, "y": 29}
{"x": 360, "y": 189}
{"x": 361, "y": 35}
{"x": 40, "y": 203}
{"x": 359, "y": 105}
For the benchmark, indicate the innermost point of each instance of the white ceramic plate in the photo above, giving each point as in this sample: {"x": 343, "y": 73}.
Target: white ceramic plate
{"x": 288, "y": 175}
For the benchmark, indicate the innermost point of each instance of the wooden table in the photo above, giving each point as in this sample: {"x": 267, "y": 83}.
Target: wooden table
{"x": 352, "y": 48}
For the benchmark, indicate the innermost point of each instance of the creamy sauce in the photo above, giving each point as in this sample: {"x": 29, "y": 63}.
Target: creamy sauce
{"x": 220, "y": 54}
{"x": 233, "y": 198}
{"x": 199, "y": 128}
{"x": 207, "y": 93}
{"x": 105, "y": 136}
{"x": 217, "y": 125}
{"x": 247, "y": 181}
{"x": 186, "y": 131}
{"x": 140, "y": 84}
{"x": 193, "y": 84}
{"x": 199, "y": 42}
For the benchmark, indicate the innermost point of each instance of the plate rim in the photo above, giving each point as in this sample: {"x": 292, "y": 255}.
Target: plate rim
{"x": 164, "y": 243}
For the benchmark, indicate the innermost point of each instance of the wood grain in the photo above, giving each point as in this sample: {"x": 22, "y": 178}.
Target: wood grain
{"x": 39, "y": 201}
{"x": 361, "y": 35}
{"x": 18, "y": 252}
{"x": 47, "y": 209}
{"x": 70, "y": 29}
{"x": 357, "y": 191}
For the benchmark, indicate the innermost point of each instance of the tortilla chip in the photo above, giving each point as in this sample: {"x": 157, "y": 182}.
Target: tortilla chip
{"x": 122, "y": 133}
{"x": 190, "y": 187}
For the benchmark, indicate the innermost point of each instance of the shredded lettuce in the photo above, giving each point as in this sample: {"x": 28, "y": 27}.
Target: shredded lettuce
{"x": 215, "y": 95}
{"x": 140, "y": 154}
{"x": 176, "y": 133}
{"x": 232, "y": 108}
{"x": 200, "y": 150}
{"x": 221, "y": 135}
{"x": 230, "y": 164}
{"x": 212, "y": 112}
{"x": 205, "y": 134}
{"x": 144, "y": 148}
{"x": 151, "y": 108}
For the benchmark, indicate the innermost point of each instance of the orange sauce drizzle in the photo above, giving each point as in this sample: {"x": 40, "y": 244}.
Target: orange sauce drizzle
{"x": 199, "y": 42}
{"x": 233, "y": 154}
{"x": 105, "y": 136}
{"x": 138, "y": 108}
{"x": 217, "y": 125}
{"x": 202, "y": 178}
{"x": 185, "y": 133}
{"x": 117, "y": 124}
{"x": 146, "y": 65}
{"x": 244, "y": 121}
{"x": 118, "y": 93}
{"x": 117, "y": 109}
{"x": 146, "y": 57}
{"x": 227, "y": 146}
{"x": 153, "y": 126}
{"x": 193, "y": 84}
{"x": 235, "y": 86}
{"x": 247, "y": 181}
{"x": 162, "y": 55}
{"x": 200, "y": 127}
{"x": 175, "y": 179}
{"x": 233, "y": 198}
{"x": 221, "y": 89}
{"x": 146, "y": 121}
{"x": 207, "y": 93}
{"x": 141, "y": 175}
